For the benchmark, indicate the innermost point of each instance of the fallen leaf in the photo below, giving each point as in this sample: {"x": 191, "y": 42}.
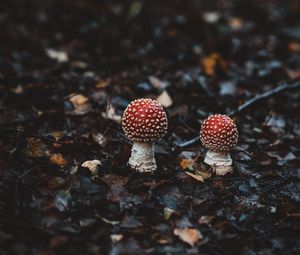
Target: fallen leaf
{"x": 293, "y": 74}
{"x": 235, "y": 23}
{"x": 101, "y": 84}
{"x": 187, "y": 163}
{"x": 168, "y": 212}
{"x": 164, "y": 99}
{"x": 36, "y": 148}
{"x": 99, "y": 138}
{"x": 188, "y": 235}
{"x": 59, "y": 56}
{"x": 211, "y": 17}
{"x": 157, "y": 83}
{"x": 294, "y": 47}
{"x": 58, "y": 159}
{"x": 116, "y": 238}
{"x": 92, "y": 166}
{"x": 111, "y": 115}
{"x": 210, "y": 62}
{"x": 80, "y": 103}
{"x": 196, "y": 177}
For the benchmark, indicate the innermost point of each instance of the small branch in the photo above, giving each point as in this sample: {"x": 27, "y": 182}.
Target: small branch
{"x": 189, "y": 142}
{"x": 265, "y": 95}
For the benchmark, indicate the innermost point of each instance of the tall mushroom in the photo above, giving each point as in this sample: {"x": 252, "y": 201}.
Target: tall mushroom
{"x": 219, "y": 135}
{"x": 144, "y": 121}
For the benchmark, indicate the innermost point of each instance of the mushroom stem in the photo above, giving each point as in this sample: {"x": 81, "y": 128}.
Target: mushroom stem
{"x": 221, "y": 162}
{"x": 142, "y": 157}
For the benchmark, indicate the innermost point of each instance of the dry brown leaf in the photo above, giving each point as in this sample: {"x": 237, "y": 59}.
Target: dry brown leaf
{"x": 235, "y": 23}
{"x": 188, "y": 235}
{"x": 101, "y": 84}
{"x": 186, "y": 163}
{"x": 164, "y": 99}
{"x": 203, "y": 174}
{"x": 293, "y": 74}
{"x": 36, "y": 148}
{"x": 294, "y": 47}
{"x": 58, "y": 159}
{"x": 210, "y": 62}
{"x": 196, "y": 177}
{"x": 80, "y": 103}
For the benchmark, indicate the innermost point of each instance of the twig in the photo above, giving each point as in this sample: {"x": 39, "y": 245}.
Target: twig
{"x": 248, "y": 104}
{"x": 265, "y": 95}
{"x": 189, "y": 142}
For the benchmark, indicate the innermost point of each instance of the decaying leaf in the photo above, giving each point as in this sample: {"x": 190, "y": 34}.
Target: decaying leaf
{"x": 187, "y": 163}
{"x": 293, "y": 74}
{"x": 157, "y": 83}
{"x": 116, "y": 238}
{"x": 164, "y": 99}
{"x": 80, "y": 103}
{"x": 99, "y": 138}
{"x": 111, "y": 114}
{"x": 188, "y": 235}
{"x": 36, "y": 148}
{"x": 168, "y": 212}
{"x": 58, "y": 55}
{"x": 101, "y": 84}
{"x": 196, "y": 177}
{"x": 235, "y": 23}
{"x": 210, "y": 62}
{"x": 58, "y": 159}
{"x": 92, "y": 166}
{"x": 211, "y": 17}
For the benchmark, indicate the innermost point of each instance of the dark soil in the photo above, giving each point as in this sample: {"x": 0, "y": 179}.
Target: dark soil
{"x": 65, "y": 66}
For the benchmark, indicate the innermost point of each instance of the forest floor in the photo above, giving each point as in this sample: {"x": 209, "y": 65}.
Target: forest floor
{"x": 68, "y": 69}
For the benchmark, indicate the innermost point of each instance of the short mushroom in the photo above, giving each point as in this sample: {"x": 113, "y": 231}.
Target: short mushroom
{"x": 219, "y": 135}
{"x": 144, "y": 121}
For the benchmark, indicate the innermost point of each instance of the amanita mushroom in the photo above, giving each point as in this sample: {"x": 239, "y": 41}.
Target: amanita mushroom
{"x": 144, "y": 121}
{"x": 219, "y": 135}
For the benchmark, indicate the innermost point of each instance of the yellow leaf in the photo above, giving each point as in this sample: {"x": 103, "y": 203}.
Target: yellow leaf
{"x": 210, "y": 63}
{"x": 186, "y": 163}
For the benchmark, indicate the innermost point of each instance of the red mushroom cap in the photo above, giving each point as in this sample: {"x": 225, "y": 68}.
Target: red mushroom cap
{"x": 144, "y": 120}
{"x": 219, "y": 133}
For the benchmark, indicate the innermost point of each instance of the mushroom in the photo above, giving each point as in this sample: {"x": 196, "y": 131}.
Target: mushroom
{"x": 219, "y": 135}
{"x": 144, "y": 121}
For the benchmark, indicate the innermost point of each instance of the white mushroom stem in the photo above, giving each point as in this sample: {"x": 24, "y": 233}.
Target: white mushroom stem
{"x": 221, "y": 162}
{"x": 142, "y": 157}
